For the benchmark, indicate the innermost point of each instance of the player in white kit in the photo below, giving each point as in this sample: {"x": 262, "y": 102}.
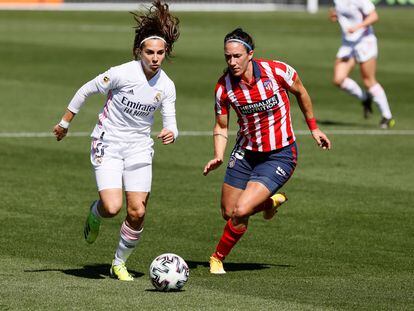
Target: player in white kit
{"x": 359, "y": 45}
{"x": 121, "y": 149}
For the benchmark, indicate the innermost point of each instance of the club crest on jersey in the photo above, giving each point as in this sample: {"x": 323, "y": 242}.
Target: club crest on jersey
{"x": 157, "y": 97}
{"x": 268, "y": 85}
{"x": 106, "y": 79}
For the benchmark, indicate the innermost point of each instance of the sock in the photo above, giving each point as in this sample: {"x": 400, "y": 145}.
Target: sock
{"x": 94, "y": 210}
{"x": 352, "y": 88}
{"x": 229, "y": 238}
{"x": 379, "y": 97}
{"x": 129, "y": 239}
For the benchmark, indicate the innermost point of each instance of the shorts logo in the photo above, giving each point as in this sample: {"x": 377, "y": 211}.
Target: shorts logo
{"x": 232, "y": 162}
{"x": 239, "y": 154}
{"x": 280, "y": 171}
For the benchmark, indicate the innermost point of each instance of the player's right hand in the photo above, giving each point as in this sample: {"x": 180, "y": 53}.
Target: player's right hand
{"x": 59, "y": 132}
{"x": 212, "y": 165}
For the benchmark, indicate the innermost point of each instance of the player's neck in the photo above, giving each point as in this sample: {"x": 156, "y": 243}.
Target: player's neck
{"x": 247, "y": 76}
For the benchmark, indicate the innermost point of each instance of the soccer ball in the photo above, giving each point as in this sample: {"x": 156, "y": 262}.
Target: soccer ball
{"x": 168, "y": 272}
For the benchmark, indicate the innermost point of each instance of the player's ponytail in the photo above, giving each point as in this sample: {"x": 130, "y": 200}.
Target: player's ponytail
{"x": 157, "y": 21}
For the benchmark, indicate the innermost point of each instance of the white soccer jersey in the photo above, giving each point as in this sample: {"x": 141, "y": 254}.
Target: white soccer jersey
{"x": 128, "y": 113}
{"x": 351, "y": 13}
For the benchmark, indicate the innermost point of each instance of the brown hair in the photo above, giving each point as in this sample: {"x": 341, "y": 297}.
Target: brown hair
{"x": 157, "y": 21}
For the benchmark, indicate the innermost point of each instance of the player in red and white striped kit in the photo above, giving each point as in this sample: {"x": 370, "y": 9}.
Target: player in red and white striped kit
{"x": 264, "y": 156}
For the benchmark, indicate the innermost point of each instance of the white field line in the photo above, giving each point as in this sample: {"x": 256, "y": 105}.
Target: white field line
{"x": 209, "y": 133}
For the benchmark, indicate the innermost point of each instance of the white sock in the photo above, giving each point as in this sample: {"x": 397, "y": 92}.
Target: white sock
{"x": 379, "y": 97}
{"x": 94, "y": 209}
{"x": 352, "y": 88}
{"x": 129, "y": 238}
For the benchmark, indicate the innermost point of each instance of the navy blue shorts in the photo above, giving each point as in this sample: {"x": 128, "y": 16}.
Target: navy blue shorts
{"x": 272, "y": 169}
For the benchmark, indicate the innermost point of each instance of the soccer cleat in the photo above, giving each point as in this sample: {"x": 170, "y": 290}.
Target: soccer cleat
{"x": 216, "y": 266}
{"x": 367, "y": 106}
{"x": 91, "y": 228}
{"x": 387, "y": 123}
{"x": 278, "y": 200}
{"x": 120, "y": 272}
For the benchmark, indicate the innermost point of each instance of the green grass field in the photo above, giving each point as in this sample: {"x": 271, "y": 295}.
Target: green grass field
{"x": 344, "y": 241}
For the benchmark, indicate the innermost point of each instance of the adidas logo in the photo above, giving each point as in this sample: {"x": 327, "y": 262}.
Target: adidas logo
{"x": 280, "y": 171}
{"x": 131, "y": 92}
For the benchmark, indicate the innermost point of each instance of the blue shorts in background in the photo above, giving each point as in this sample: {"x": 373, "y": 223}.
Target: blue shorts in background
{"x": 272, "y": 169}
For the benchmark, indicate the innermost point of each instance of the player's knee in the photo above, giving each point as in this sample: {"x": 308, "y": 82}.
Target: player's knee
{"x": 111, "y": 208}
{"x": 241, "y": 211}
{"x": 225, "y": 214}
{"x": 337, "y": 81}
{"x": 136, "y": 212}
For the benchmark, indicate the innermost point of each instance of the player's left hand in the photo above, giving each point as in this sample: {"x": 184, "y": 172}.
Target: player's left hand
{"x": 166, "y": 136}
{"x": 353, "y": 29}
{"x": 321, "y": 139}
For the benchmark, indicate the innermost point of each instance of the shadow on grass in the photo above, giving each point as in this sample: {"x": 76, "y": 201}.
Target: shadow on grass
{"x": 344, "y": 124}
{"x": 233, "y": 266}
{"x": 97, "y": 271}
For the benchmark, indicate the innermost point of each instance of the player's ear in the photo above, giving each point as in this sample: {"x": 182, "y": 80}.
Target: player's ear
{"x": 250, "y": 54}
{"x": 136, "y": 52}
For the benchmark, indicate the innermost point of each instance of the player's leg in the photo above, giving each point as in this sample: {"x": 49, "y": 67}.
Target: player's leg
{"x": 344, "y": 64}
{"x": 368, "y": 70}
{"x": 137, "y": 182}
{"x": 108, "y": 174}
{"x": 235, "y": 181}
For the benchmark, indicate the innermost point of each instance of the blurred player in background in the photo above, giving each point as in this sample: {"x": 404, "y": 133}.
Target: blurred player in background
{"x": 121, "y": 149}
{"x": 265, "y": 153}
{"x": 359, "y": 45}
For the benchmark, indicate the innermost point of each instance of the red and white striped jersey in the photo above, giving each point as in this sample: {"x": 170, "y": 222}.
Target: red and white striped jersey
{"x": 262, "y": 107}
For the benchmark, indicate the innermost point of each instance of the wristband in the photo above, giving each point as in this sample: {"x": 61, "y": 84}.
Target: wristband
{"x": 64, "y": 124}
{"x": 312, "y": 124}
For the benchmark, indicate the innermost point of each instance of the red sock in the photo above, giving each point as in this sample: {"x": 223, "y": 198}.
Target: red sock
{"x": 268, "y": 204}
{"x": 229, "y": 238}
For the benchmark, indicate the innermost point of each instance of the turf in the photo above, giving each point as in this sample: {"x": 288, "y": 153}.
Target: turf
{"x": 344, "y": 241}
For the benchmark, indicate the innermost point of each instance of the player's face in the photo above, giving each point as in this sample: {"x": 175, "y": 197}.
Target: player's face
{"x": 237, "y": 58}
{"x": 152, "y": 55}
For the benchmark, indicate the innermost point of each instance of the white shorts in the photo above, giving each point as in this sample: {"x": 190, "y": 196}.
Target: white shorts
{"x": 119, "y": 163}
{"x": 362, "y": 50}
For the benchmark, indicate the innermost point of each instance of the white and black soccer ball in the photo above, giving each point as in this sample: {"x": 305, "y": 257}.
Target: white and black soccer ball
{"x": 168, "y": 272}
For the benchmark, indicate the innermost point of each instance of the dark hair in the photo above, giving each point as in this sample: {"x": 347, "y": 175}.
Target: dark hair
{"x": 157, "y": 21}
{"x": 240, "y": 34}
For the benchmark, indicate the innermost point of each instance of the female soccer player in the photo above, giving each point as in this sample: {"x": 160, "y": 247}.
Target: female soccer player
{"x": 121, "y": 149}
{"x": 359, "y": 45}
{"x": 264, "y": 156}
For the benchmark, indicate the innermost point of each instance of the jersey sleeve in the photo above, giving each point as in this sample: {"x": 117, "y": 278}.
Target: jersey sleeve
{"x": 222, "y": 104}
{"x": 285, "y": 74}
{"x": 103, "y": 83}
{"x": 365, "y": 6}
{"x": 168, "y": 110}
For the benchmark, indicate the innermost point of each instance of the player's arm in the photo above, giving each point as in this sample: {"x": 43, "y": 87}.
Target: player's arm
{"x": 61, "y": 129}
{"x": 370, "y": 19}
{"x": 101, "y": 84}
{"x": 305, "y": 104}
{"x": 169, "y": 132}
{"x": 220, "y": 136}
{"x": 332, "y": 15}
